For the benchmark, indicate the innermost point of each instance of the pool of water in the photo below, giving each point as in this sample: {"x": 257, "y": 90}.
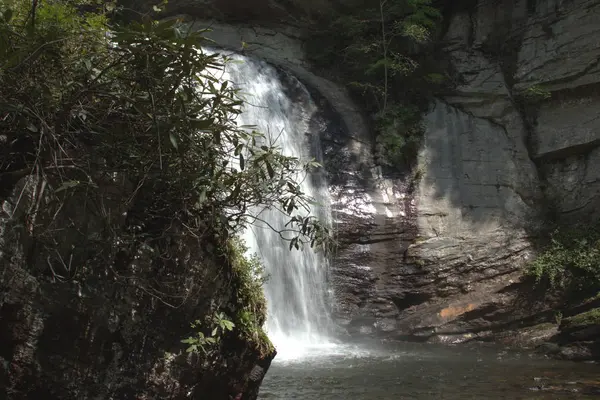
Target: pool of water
{"x": 414, "y": 371}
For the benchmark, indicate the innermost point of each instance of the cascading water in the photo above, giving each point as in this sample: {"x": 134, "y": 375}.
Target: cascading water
{"x": 296, "y": 290}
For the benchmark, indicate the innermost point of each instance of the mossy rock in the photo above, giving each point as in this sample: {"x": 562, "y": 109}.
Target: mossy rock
{"x": 583, "y": 320}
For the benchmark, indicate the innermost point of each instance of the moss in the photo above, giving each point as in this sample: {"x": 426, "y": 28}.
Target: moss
{"x": 250, "y": 304}
{"x": 535, "y": 94}
{"x": 591, "y": 317}
{"x": 542, "y": 327}
{"x": 261, "y": 342}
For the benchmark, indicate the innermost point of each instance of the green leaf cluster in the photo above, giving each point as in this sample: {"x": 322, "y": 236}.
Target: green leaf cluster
{"x": 248, "y": 308}
{"x": 251, "y": 306}
{"x": 201, "y": 343}
{"x": 571, "y": 260}
{"x": 394, "y": 148}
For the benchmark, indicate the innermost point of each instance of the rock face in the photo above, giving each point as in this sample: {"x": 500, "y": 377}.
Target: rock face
{"x": 264, "y": 13}
{"x": 73, "y": 325}
{"x": 547, "y": 45}
{"x": 492, "y": 167}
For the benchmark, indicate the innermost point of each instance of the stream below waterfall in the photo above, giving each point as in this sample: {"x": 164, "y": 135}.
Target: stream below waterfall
{"x": 410, "y": 371}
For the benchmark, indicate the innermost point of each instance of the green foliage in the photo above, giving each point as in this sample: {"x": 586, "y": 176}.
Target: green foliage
{"x": 591, "y": 317}
{"x": 400, "y": 133}
{"x": 201, "y": 343}
{"x": 248, "y": 277}
{"x": 535, "y": 94}
{"x": 251, "y": 306}
{"x": 371, "y": 37}
{"x": 376, "y": 45}
{"x": 571, "y": 260}
{"x": 145, "y": 106}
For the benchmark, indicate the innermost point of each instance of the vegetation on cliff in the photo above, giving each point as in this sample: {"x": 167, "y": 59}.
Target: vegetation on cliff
{"x": 378, "y": 50}
{"x": 126, "y": 135}
{"x": 571, "y": 260}
{"x": 567, "y": 269}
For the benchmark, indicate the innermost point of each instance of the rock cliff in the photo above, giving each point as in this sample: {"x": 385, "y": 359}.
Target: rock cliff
{"x": 78, "y": 323}
{"x": 491, "y": 171}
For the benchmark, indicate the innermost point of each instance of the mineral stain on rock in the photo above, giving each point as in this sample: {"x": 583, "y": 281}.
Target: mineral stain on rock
{"x": 453, "y": 312}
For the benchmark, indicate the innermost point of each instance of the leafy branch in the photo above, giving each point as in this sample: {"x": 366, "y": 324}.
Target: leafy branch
{"x": 201, "y": 343}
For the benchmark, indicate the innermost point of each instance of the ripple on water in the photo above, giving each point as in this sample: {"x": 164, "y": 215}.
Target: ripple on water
{"x": 419, "y": 372}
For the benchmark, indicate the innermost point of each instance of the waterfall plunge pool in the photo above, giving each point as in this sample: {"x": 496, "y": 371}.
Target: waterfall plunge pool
{"x": 411, "y": 371}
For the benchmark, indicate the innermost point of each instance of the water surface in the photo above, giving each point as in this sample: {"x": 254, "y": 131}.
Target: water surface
{"x": 412, "y": 371}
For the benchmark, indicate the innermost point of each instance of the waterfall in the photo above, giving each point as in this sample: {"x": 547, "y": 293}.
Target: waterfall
{"x": 281, "y": 107}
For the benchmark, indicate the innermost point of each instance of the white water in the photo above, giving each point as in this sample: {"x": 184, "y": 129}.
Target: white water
{"x": 298, "y": 320}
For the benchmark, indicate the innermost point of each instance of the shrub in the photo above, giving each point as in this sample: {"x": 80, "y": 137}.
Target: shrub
{"x": 400, "y": 133}
{"x": 571, "y": 259}
{"x": 90, "y": 104}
